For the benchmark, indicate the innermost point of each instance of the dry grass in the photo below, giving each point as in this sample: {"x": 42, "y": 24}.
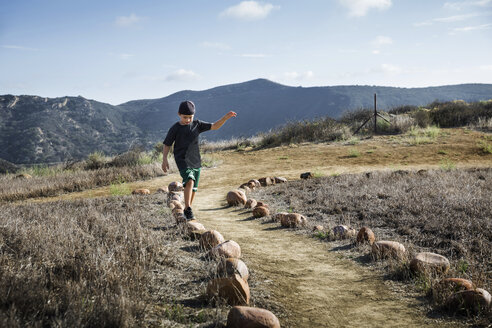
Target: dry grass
{"x": 14, "y": 189}
{"x": 117, "y": 262}
{"x": 442, "y": 211}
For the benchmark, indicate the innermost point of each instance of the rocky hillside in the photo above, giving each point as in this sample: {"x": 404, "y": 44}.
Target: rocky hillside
{"x": 39, "y": 130}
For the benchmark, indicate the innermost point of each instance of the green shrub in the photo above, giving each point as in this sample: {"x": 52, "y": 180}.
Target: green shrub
{"x": 95, "y": 161}
{"x": 422, "y": 117}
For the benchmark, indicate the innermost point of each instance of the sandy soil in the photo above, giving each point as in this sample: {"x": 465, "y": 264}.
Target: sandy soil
{"x": 317, "y": 288}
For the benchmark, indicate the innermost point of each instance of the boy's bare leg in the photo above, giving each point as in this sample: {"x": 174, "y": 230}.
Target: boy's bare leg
{"x": 188, "y": 193}
{"x": 192, "y": 197}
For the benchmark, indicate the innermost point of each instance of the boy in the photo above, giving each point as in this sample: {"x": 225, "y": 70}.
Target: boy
{"x": 184, "y": 134}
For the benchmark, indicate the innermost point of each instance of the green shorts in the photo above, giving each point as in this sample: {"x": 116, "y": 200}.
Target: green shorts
{"x": 193, "y": 174}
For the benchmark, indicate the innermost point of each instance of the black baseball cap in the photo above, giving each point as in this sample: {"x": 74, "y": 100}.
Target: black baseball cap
{"x": 187, "y": 108}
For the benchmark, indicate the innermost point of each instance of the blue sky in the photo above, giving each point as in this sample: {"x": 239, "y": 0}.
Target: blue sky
{"x": 115, "y": 51}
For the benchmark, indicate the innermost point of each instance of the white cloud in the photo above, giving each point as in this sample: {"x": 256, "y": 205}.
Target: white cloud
{"x": 451, "y": 19}
{"x": 10, "y": 46}
{"x": 381, "y": 41}
{"x": 254, "y": 55}
{"x": 249, "y": 10}
{"x": 486, "y": 67}
{"x": 299, "y": 76}
{"x": 215, "y": 45}
{"x": 182, "y": 75}
{"x": 473, "y": 28}
{"x": 376, "y": 52}
{"x": 126, "y": 21}
{"x": 126, "y": 56}
{"x": 463, "y": 4}
{"x": 391, "y": 69}
{"x": 359, "y": 8}
{"x": 456, "y": 18}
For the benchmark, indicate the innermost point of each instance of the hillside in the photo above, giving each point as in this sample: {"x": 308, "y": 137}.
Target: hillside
{"x": 39, "y": 130}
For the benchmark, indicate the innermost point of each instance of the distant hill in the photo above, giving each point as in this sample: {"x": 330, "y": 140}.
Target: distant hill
{"x": 36, "y": 130}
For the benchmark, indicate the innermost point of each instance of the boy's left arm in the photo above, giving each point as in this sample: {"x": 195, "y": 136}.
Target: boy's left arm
{"x": 221, "y": 122}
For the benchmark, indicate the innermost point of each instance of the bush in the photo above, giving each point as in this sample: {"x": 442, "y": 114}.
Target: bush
{"x": 95, "y": 161}
{"x": 325, "y": 129}
{"x": 422, "y": 117}
{"x": 7, "y": 167}
{"x": 459, "y": 113}
{"x": 129, "y": 158}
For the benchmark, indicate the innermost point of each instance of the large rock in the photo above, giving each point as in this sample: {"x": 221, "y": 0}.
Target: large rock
{"x": 210, "y": 239}
{"x": 260, "y": 211}
{"x": 250, "y": 203}
{"x": 476, "y": 300}
{"x": 427, "y": 262}
{"x": 229, "y": 248}
{"x": 236, "y": 198}
{"x": 388, "y": 249}
{"x": 252, "y": 185}
{"x": 175, "y": 186}
{"x": 249, "y": 317}
{"x": 141, "y": 191}
{"x": 366, "y": 235}
{"x": 231, "y": 266}
{"x": 343, "y": 232}
{"x": 266, "y": 181}
{"x": 234, "y": 290}
{"x": 293, "y": 220}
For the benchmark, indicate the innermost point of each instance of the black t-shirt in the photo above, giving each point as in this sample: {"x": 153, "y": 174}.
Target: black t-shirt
{"x": 185, "y": 138}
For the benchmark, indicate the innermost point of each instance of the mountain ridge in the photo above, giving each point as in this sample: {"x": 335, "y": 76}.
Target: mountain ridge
{"x": 35, "y": 129}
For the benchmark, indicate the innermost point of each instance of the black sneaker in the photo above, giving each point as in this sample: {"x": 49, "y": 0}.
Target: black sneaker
{"x": 188, "y": 213}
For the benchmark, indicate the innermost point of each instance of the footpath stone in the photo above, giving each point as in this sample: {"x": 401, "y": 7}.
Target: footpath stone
{"x": 249, "y": 317}
{"x": 234, "y": 290}
{"x": 427, "y": 262}
{"x": 307, "y": 175}
{"x": 164, "y": 190}
{"x": 260, "y": 211}
{"x": 277, "y": 217}
{"x": 476, "y": 300}
{"x": 388, "y": 249}
{"x": 236, "y": 198}
{"x": 228, "y": 267}
{"x": 229, "y": 248}
{"x": 210, "y": 239}
{"x": 266, "y": 181}
{"x": 280, "y": 180}
{"x": 365, "y": 235}
{"x": 175, "y": 186}
{"x": 250, "y": 203}
{"x": 194, "y": 225}
{"x": 457, "y": 283}
{"x": 175, "y": 204}
{"x": 343, "y": 232}
{"x": 293, "y": 220}
{"x": 23, "y": 176}
{"x": 141, "y": 191}
{"x": 256, "y": 183}
{"x": 318, "y": 228}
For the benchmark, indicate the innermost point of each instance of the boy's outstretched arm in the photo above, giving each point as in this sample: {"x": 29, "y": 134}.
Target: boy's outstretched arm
{"x": 221, "y": 122}
{"x": 165, "y": 163}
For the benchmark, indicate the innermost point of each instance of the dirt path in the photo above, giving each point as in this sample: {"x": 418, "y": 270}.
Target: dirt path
{"x": 316, "y": 287}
